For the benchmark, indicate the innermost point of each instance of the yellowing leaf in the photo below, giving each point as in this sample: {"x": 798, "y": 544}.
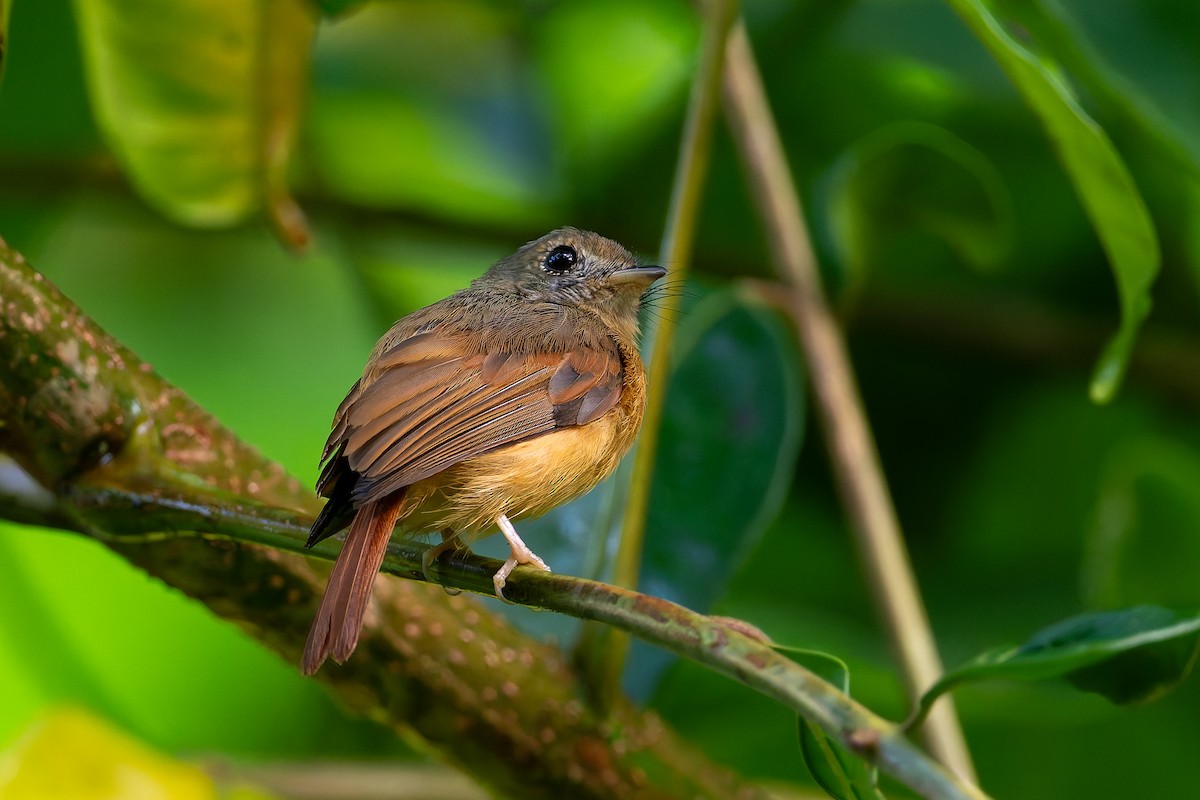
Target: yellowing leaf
{"x": 199, "y": 100}
{"x": 71, "y": 754}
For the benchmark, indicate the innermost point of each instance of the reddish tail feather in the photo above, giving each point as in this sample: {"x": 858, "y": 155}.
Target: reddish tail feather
{"x": 339, "y": 618}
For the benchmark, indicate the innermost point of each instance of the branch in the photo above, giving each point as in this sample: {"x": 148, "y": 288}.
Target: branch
{"x": 132, "y": 462}
{"x": 847, "y": 434}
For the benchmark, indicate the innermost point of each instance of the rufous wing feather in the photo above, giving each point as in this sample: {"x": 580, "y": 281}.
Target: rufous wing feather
{"x": 400, "y": 431}
{"x": 427, "y": 402}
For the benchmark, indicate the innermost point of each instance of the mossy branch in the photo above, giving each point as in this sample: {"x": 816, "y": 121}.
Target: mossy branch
{"x": 116, "y": 453}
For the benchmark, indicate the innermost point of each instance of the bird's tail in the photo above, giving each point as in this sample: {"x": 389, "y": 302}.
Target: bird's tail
{"x": 339, "y": 618}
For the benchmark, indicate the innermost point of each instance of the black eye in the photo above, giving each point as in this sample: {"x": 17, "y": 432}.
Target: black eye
{"x": 560, "y": 260}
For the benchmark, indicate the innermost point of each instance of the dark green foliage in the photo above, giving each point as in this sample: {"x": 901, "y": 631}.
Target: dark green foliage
{"x": 1129, "y": 656}
{"x": 842, "y": 774}
{"x": 727, "y": 447}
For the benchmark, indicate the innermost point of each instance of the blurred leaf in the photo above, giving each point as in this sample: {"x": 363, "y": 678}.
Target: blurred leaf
{"x": 1131, "y": 656}
{"x": 731, "y": 435}
{"x": 395, "y": 123}
{"x": 841, "y": 773}
{"x": 1147, "y": 506}
{"x": 384, "y": 151}
{"x": 71, "y": 754}
{"x": 1158, "y": 108}
{"x": 199, "y": 100}
{"x": 1105, "y": 187}
{"x": 908, "y": 176}
{"x": 606, "y": 97}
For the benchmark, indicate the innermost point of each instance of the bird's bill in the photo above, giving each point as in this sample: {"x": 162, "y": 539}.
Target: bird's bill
{"x": 638, "y": 275}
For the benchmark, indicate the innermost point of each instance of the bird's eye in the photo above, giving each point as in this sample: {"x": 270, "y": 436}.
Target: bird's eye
{"x": 560, "y": 260}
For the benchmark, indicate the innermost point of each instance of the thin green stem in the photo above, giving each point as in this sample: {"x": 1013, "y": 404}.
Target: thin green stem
{"x": 712, "y": 642}
{"x": 855, "y": 460}
{"x": 675, "y": 254}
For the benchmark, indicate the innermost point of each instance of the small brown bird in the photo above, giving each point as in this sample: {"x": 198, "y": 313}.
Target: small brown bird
{"x": 502, "y": 401}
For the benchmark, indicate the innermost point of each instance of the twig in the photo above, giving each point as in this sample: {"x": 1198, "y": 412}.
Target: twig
{"x": 675, "y": 253}
{"x": 852, "y": 449}
{"x": 713, "y": 642}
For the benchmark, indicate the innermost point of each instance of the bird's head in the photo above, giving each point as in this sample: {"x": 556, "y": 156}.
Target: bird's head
{"x": 569, "y": 266}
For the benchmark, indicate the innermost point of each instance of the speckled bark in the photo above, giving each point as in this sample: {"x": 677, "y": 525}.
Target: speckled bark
{"x": 124, "y": 456}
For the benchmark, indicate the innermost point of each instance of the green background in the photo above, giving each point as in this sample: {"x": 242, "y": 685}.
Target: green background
{"x": 976, "y": 294}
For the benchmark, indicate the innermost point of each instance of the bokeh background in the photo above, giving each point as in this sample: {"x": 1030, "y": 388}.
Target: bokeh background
{"x": 437, "y": 136}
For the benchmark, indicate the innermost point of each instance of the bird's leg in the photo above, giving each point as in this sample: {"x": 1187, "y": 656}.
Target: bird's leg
{"x": 520, "y": 554}
{"x": 449, "y": 541}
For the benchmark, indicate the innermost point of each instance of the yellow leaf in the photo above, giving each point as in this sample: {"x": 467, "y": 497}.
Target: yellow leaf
{"x": 71, "y": 755}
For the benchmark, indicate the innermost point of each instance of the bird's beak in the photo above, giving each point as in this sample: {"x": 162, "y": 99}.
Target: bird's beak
{"x": 641, "y": 276}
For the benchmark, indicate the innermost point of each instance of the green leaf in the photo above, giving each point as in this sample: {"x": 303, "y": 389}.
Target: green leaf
{"x": 1140, "y": 653}
{"x": 395, "y": 124}
{"x": 383, "y": 150}
{"x": 731, "y": 436}
{"x": 1110, "y": 76}
{"x": 841, "y": 773}
{"x": 913, "y": 176}
{"x": 199, "y": 101}
{"x": 1103, "y": 183}
{"x": 1131, "y": 656}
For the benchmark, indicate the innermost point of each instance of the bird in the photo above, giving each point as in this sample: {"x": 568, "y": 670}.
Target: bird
{"x": 500, "y": 402}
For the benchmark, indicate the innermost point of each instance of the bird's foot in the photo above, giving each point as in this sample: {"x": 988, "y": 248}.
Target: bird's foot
{"x": 449, "y": 542}
{"x": 519, "y": 554}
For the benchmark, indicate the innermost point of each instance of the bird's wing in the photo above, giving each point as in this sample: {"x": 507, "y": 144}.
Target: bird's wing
{"x": 433, "y": 400}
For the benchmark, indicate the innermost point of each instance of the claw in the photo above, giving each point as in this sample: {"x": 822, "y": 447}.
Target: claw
{"x": 449, "y": 541}
{"x": 519, "y": 554}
